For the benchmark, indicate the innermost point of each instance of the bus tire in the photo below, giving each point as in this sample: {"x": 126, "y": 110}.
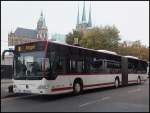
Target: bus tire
{"x": 10, "y": 89}
{"x": 139, "y": 80}
{"x": 116, "y": 83}
{"x": 77, "y": 87}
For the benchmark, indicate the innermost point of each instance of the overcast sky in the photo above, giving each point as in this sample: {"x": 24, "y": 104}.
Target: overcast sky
{"x": 130, "y": 17}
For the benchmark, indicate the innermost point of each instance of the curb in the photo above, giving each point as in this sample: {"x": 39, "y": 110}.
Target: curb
{"x": 7, "y": 96}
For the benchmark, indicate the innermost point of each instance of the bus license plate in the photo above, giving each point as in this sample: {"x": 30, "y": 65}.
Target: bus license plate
{"x": 27, "y": 91}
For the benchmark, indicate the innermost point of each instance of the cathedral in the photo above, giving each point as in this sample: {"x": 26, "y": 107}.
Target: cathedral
{"x": 83, "y": 24}
{"x": 23, "y": 35}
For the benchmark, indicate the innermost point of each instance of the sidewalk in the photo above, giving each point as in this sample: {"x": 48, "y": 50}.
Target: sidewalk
{"x": 5, "y": 83}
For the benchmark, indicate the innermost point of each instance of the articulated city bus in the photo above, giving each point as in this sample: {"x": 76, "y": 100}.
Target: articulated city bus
{"x": 46, "y": 67}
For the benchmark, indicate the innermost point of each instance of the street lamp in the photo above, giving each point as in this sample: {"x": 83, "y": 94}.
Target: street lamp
{"x": 76, "y": 41}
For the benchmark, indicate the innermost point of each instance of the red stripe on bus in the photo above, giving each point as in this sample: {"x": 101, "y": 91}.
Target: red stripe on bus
{"x": 90, "y": 85}
{"x": 62, "y": 88}
{"x": 135, "y": 81}
{"x": 75, "y": 74}
{"x": 46, "y": 46}
{"x": 132, "y": 81}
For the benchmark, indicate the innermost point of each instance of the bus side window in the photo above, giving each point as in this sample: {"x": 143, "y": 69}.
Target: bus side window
{"x": 72, "y": 66}
{"x": 47, "y": 65}
{"x": 61, "y": 65}
{"x": 87, "y": 64}
{"x": 96, "y": 66}
{"x": 80, "y": 66}
{"x": 143, "y": 68}
{"x": 113, "y": 67}
{"x": 132, "y": 68}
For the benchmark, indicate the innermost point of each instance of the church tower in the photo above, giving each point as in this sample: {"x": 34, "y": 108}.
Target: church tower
{"x": 42, "y": 31}
{"x": 84, "y": 14}
{"x": 78, "y": 20}
{"x": 84, "y": 25}
{"x": 90, "y": 19}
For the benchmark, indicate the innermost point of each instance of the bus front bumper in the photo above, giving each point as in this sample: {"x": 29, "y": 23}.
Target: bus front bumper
{"x": 31, "y": 91}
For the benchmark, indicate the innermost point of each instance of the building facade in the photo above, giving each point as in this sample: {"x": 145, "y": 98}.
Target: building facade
{"x": 23, "y": 35}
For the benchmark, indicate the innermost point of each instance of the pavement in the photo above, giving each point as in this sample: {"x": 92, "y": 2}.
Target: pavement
{"x": 5, "y": 83}
{"x": 132, "y": 98}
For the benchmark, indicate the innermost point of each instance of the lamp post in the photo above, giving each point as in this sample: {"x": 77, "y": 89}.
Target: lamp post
{"x": 76, "y": 41}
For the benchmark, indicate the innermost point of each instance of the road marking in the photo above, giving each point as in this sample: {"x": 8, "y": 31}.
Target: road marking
{"x": 105, "y": 98}
{"x": 135, "y": 90}
{"x": 92, "y": 102}
{"x": 82, "y": 105}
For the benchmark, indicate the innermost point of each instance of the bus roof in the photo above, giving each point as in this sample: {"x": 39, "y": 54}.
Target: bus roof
{"x": 136, "y": 58}
{"x": 131, "y": 57}
{"x": 100, "y": 51}
{"x": 106, "y": 51}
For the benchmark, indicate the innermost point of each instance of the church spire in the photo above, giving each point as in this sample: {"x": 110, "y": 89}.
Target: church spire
{"x": 84, "y": 15}
{"x": 78, "y": 16}
{"x": 90, "y": 20}
{"x": 41, "y": 13}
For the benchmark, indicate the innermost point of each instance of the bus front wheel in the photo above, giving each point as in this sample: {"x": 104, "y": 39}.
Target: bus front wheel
{"x": 138, "y": 80}
{"x": 77, "y": 87}
{"x": 116, "y": 84}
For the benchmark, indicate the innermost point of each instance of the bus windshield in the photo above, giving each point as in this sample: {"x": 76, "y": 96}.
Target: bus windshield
{"x": 31, "y": 64}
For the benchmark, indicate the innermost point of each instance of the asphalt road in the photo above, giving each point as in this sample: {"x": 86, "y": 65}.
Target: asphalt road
{"x": 134, "y": 98}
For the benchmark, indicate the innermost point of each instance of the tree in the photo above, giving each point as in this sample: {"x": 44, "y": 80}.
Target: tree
{"x": 108, "y": 38}
{"x": 71, "y": 36}
{"x": 134, "y": 48}
{"x": 90, "y": 39}
{"x": 101, "y": 38}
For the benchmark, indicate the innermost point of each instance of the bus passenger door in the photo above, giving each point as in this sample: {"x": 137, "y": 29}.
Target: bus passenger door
{"x": 124, "y": 70}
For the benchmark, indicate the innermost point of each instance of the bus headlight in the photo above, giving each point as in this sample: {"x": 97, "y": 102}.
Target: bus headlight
{"x": 43, "y": 87}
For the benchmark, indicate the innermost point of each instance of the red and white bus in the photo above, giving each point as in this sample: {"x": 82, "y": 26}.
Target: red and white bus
{"x": 46, "y": 67}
